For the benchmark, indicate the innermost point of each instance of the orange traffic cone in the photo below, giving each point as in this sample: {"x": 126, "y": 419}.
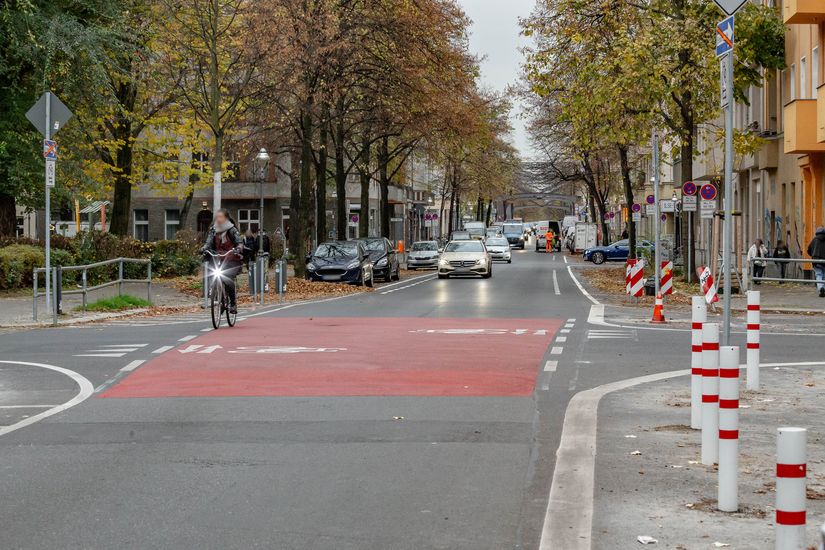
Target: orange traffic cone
{"x": 659, "y": 311}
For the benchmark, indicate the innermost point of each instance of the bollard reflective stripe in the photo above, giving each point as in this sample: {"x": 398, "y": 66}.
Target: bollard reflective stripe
{"x": 753, "y": 321}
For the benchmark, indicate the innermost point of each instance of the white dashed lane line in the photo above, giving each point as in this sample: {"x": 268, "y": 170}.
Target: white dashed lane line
{"x": 408, "y": 286}
{"x": 162, "y": 349}
{"x": 187, "y": 338}
{"x": 133, "y": 365}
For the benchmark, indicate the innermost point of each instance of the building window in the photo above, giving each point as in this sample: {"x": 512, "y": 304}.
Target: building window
{"x": 171, "y": 224}
{"x": 248, "y": 219}
{"x": 814, "y": 71}
{"x": 803, "y": 88}
{"x": 792, "y": 80}
{"x": 141, "y": 225}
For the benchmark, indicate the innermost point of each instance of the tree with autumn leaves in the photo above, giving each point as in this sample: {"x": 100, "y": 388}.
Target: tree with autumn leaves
{"x": 602, "y": 76}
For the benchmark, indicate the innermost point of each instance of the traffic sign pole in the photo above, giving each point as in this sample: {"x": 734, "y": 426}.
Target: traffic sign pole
{"x": 727, "y": 236}
{"x": 657, "y": 260}
{"x": 48, "y": 236}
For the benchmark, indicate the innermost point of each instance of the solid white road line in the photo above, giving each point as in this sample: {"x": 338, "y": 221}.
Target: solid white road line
{"x": 556, "y": 350}
{"x": 86, "y": 389}
{"x": 133, "y": 365}
{"x": 27, "y": 406}
{"x": 190, "y": 337}
{"x": 568, "y": 522}
{"x": 163, "y": 349}
{"x": 565, "y": 259}
{"x": 556, "y": 284}
{"x": 581, "y": 288}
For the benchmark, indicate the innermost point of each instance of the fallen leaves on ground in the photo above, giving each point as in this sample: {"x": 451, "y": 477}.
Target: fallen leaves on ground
{"x": 611, "y": 280}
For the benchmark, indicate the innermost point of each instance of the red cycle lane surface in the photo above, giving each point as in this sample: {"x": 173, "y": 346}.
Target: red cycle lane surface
{"x": 350, "y": 357}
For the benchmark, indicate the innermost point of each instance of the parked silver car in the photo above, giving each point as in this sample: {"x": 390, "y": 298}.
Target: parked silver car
{"x": 423, "y": 255}
{"x": 499, "y": 249}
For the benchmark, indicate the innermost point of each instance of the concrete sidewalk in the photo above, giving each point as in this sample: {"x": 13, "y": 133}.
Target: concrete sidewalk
{"x": 649, "y": 481}
{"x": 18, "y": 311}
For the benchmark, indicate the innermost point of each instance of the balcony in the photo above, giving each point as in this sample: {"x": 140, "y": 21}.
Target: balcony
{"x": 768, "y": 155}
{"x": 801, "y": 127}
{"x": 820, "y": 113}
{"x": 803, "y": 12}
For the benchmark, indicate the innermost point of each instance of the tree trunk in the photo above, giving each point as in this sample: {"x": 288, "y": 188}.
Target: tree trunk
{"x": 627, "y": 183}
{"x": 122, "y": 200}
{"x": 341, "y": 213}
{"x": 364, "y": 174}
{"x": 384, "y": 182}
{"x": 688, "y": 229}
{"x": 321, "y": 187}
{"x": 294, "y": 235}
{"x": 304, "y": 222}
{"x": 489, "y": 213}
{"x": 8, "y": 216}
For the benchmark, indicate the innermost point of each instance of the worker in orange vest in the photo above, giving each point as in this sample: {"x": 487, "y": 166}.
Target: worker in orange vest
{"x": 548, "y": 240}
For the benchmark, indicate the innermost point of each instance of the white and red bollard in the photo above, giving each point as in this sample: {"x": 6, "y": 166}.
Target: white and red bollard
{"x": 637, "y": 279}
{"x": 666, "y": 282}
{"x": 627, "y": 269}
{"x": 791, "y": 471}
{"x": 728, "y": 495}
{"x": 754, "y": 316}
{"x": 700, "y": 317}
{"x": 710, "y": 393}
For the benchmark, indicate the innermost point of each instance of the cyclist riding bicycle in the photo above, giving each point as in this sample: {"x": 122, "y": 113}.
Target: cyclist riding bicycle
{"x": 224, "y": 238}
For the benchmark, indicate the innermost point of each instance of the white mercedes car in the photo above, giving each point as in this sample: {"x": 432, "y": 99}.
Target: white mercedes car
{"x": 465, "y": 258}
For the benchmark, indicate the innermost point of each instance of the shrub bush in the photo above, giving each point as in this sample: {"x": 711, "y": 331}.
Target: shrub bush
{"x": 17, "y": 261}
{"x": 175, "y": 258}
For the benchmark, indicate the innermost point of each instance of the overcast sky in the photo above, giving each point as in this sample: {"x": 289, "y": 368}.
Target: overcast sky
{"x": 495, "y": 36}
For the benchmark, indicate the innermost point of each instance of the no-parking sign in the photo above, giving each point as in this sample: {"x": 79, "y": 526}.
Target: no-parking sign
{"x": 709, "y": 192}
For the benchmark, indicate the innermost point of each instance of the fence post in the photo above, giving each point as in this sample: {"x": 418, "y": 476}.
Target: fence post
{"x": 710, "y": 393}
{"x": 120, "y": 277}
{"x": 84, "y": 280}
{"x": 34, "y": 291}
{"x": 728, "y": 494}
{"x": 149, "y": 282}
{"x": 205, "y": 285}
{"x": 264, "y": 275}
{"x": 55, "y": 305}
{"x": 791, "y": 471}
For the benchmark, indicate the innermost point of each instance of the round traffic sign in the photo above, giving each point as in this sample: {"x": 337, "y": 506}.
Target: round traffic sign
{"x": 428, "y": 216}
{"x": 708, "y": 191}
{"x": 612, "y": 215}
{"x": 435, "y": 216}
{"x": 651, "y": 199}
{"x": 606, "y": 216}
{"x": 354, "y": 218}
{"x": 636, "y": 207}
{"x": 664, "y": 217}
{"x": 689, "y": 188}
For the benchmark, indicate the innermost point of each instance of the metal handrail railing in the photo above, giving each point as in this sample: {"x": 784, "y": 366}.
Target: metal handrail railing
{"x": 57, "y": 278}
{"x": 768, "y": 259}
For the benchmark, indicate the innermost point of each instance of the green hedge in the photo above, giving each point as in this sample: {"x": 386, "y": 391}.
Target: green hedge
{"x": 18, "y": 257}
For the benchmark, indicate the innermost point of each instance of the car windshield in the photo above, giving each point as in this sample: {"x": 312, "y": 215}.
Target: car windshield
{"x": 374, "y": 245}
{"x": 336, "y": 251}
{"x": 417, "y": 247}
{"x": 498, "y": 241}
{"x": 464, "y": 246}
{"x": 513, "y": 228}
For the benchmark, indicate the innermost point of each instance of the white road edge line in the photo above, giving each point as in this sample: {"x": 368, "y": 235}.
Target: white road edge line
{"x": 27, "y": 406}
{"x": 556, "y": 284}
{"x": 163, "y": 349}
{"x": 568, "y": 522}
{"x": 133, "y": 365}
{"x": 581, "y": 288}
{"x": 86, "y": 390}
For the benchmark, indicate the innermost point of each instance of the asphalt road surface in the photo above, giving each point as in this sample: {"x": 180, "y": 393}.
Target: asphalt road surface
{"x": 423, "y": 415}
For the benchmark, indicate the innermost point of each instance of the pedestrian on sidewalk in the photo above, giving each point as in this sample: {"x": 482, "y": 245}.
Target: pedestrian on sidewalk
{"x": 757, "y": 250}
{"x": 780, "y": 254}
{"x": 816, "y": 250}
{"x": 249, "y": 248}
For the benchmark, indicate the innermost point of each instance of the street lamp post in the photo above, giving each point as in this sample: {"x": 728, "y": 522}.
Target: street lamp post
{"x": 261, "y": 164}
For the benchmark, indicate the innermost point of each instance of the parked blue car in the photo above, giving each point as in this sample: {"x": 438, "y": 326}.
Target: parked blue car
{"x": 616, "y": 252}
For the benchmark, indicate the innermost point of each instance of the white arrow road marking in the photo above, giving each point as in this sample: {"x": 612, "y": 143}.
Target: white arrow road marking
{"x": 284, "y": 349}
{"x": 86, "y": 390}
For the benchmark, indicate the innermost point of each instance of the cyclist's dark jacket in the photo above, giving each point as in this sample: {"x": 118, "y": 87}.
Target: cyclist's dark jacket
{"x": 224, "y": 242}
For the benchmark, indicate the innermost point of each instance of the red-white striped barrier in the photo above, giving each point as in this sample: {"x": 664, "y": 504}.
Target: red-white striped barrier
{"x": 710, "y": 393}
{"x": 708, "y": 287}
{"x": 637, "y": 279}
{"x": 627, "y": 267}
{"x": 666, "y": 283}
{"x": 754, "y": 316}
{"x": 791, "y": 471}
{"x": 728, "y": 495}
{"x": 700, "y": 316}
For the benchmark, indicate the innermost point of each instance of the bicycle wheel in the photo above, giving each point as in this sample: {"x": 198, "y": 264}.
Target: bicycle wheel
{"x": 216, "y": 304}
{"x": 230, "y": 317}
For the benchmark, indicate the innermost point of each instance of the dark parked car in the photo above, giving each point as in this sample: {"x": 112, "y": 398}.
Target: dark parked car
{"x": 341, "y": 262}
{"x": 384, "y": 258}
{"x": 616, "y": 252}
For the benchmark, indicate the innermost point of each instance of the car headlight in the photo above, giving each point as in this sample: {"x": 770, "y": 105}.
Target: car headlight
{"x": 382, "y": 262}
{"x": 311, "y": 266}
{"x": 443, "y": 262}
{"x": 353, "y": 264}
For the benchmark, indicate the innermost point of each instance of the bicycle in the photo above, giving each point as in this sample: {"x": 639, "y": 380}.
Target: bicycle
{"x": 218, "y": 297}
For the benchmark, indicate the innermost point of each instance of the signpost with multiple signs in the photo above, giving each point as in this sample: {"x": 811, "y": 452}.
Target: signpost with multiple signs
{"x": 48, "y": 115}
